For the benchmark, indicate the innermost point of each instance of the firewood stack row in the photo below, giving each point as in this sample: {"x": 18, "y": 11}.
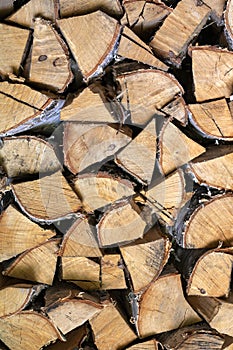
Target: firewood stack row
{"x": 116, "y": 178}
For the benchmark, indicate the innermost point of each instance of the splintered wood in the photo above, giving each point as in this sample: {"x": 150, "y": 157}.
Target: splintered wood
{"x": 116, "y": 177}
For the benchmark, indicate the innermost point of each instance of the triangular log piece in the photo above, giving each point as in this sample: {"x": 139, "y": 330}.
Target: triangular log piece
{"x": 166, "y": 198}
{"x": 216, "y": 64}
{"x": 148, "y": 91}
{"x": 34, "y": 8}
{"x": 92, "y": 39}
{"x": 24, "y": 155}
{"x": 16, "y": 38}
{"x": 175, "y": 148}
{"x": 87, "y": 145}
{"x": 72, "y": 8}
{"x": 28, "y": 330}
{"x": 25, "y": 266}
{"x": 18, "y": 233}
{"x": 163, "y": 307}
{"x": 211, "y": 275}
{"x": 212, "y": 119}
{"x": 48, "y": 198}
{"x": 49, "y": 60}
{"x": 145, "y": 258}
{"x": 214, "y": 167}
{"x": 72, "y": 313}
{"x": 80, "y": 240}
{"x": 6, "y": 7}
{"x": 210, "y": 224}
{"x": 112, "y": 272}
{"x": 183, "y": 24}
{"x": 110, "y": 329}
{"x": 122, "y": 223}
{"x": 143, "y": 17}
{"x": 72, "y": 339}
{"x": 177, "y": 109}
{"x": 146, "y": 345}
{"x": 229, "y": 22}
{"x": 139, "y": 157}
{"x": 132, "y": 47}
{"x": 97, "y": 191}
{"x": 217, "y": 7}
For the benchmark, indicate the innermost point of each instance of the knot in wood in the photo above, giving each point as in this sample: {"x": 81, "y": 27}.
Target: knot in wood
{"x": 42, "y": 58}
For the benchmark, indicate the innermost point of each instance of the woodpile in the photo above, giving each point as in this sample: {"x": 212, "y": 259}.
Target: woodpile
{"x": 116, "y": 177}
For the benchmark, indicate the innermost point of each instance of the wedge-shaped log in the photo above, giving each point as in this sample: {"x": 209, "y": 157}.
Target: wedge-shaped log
{"x": 229, "y": 22}
{"x": 177, "y": 110}
{"x": 112, "y": 272}
{"x": 18, "y": 233}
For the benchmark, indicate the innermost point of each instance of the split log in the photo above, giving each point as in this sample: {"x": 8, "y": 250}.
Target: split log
{"x": 26, "y": 155}
{"x": 229, "y": 22}
{"x": 177, "y": 110}
{"x": 6, "y": 8}
{"x": 217, "y": 7}
{"x": 46, "y": 199}
{"x": 49, "y": 60}
{"x": 217, "y": 65}
{"x": 146, "y": 257}
{"x": 212, "y": 119}
{"x": 214, "y": 167}
{"x": 86, "y": 145}
{"x": 98, "y": 190}
{"x": 207, "y": 226}
{"x": 18, "y": 233}
{"x": 92, "y": 39}
{"x": 112, "y": 272}
{"x": 162, "y": 307}
{"x": 25, "y": 266}
{"x": 73, "y": 339}
{"x": 179, "y": 29}
{"x": 28, "y": 330}
{"x": 146, "y": 345}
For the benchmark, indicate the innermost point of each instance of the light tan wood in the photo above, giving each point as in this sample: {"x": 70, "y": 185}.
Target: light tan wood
{"x": 112, "y": 272}
{"x": 146, "y": 257}
{"x": 212, "y": 119}
{"x": 207, "y": 226}
{"x": 83, "y": 34}
{"x": 71, "y": 8}
{"x": 148, "y": 91}
{"x": 27, "y": 330}
{"x": 110, "y": 329}
{"x": 48, "y": 198}
{"x": 215, "y": 167}
{"x": 80, "y": 240}
{"x": 86, "y": 145}
{"x": 26, "y": 155}
{"x": 10, "y": 59}
{"x": 18, "y": 233}
{"x": 34, "y": 8}
{"x": 179, "y": 29}
{"x": 73, "y": 338}
{"x": 215, "y": 64}
{"x": 146, "y": 345}
{"x": 177, "y": 110}
{"x": 171, "y": 138}
{"x": 229, "y": 22}
{"x": 15, "y": 298}
{"x": 49, "y": 64}
{"x": 163, "y": 307}
{"x": 217, "y": 8}
{"x": 91, "y": 286}
{"x": 6, "y": 7}
{"x": 26, "y": 265}
{"x": 120, "y": 224}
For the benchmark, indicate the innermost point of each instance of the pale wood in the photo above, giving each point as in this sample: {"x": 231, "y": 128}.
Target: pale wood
{"x": 212, "y": 119}
{"x": 6, "y": 7}
{"x": 48, "y": 198}
{"x": 71, "y": 8}
{"x": 44, "y": 256}
{"x": 146, "y": 257}
{"x": 112, "y": 272}
{"x": 132, "y": 47}
{"x": 92, "y": 39}
{"x": 98, "y": 190}
{"x": 179, "y": 29}
{"x": 217, "y": 7}
{"x": 216, "y": 64}
{"x": 18, "y": 233}
{"x": 215, "y": 167}
{"x": 208, "y": 226}
{"x": 110, "y": 329}
{"x": 229, "y": 22}
{"x": 73, "y": 339}
{"x": 171, "y": 138}
{"x": 139, "y": 157}
{"x": 120, "y": 224}
{"x": 24, "y": 155}
{"x": 146, "y": 345}
{"x": 91, "y": 286}
{"x": 15, "y": 298}
{"x": 86, "y": 145}
{"x": 177, "y": 110}
{"x": 49, "y": 60}
{"x": 27, "y": 330}
{"x": 163, "y": 307}
{"x": 148, "y": 91}
{"x": 34, "y": 8}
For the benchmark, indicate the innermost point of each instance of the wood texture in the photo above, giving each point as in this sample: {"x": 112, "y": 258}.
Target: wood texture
{"x": 146, "y": 345}
{"x": 73, "y": 338}
{"x": 229, "y": 22}
{"x": 112, "y": 272}
{"x": 177, "y": 110}
{"x": 15, "y": 298}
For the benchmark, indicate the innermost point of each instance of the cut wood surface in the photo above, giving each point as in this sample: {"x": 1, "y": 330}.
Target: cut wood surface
{"x": 177, "y": 110}
{"x": 112, "y": 272}
{"x": 146, "y": 345}
{"x": 15, "y": 298}
{"x": 229, "y": 22}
